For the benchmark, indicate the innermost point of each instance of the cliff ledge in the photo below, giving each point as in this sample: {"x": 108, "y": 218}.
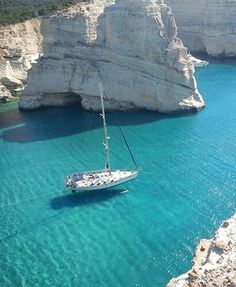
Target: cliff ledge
{"x": 214, "y": 264}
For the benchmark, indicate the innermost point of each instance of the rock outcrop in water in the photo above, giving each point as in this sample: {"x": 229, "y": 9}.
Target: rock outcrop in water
{"x": 20, "y": 45}
{"x": 5, "y": 95}
{"x": 130, "y": 46}
{"x": 214, "y": 264}
{"x": 206, "y": 26}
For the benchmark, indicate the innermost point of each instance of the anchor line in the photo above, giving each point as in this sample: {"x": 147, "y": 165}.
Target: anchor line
{"x": 25, "y": 200}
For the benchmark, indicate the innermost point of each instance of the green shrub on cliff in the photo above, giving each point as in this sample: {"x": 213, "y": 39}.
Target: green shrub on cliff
{"x": 13, "y": 11}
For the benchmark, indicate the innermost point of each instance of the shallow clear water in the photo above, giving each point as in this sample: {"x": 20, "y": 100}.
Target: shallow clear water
{"x": 139, "y": 238}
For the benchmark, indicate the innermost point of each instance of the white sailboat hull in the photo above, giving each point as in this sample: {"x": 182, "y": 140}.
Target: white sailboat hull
{"x": 100, "y": 180}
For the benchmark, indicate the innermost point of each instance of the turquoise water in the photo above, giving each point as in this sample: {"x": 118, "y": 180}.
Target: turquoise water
{"x": 139, "y": 238}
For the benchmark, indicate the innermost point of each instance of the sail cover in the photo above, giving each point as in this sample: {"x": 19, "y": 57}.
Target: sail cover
{"x": 77, "y": 176}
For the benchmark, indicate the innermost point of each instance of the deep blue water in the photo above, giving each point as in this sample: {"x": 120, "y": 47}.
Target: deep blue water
{"x": 139, "y": 238}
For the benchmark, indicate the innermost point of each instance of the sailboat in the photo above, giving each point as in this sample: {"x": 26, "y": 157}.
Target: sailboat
{"x": 100, "y": 179}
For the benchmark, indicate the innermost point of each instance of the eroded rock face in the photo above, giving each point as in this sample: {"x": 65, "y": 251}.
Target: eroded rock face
{"x": 130, "y": 46}
{"x": 206, "y": 26}
{"x": 214, "y": 263}
{"x": 20, "y": 45}
{"x": 5, "y": 95}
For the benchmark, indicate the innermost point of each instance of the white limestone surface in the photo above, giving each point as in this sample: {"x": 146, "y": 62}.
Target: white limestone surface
{"x": 20, "y": 45}
{"x": 214, "y": 264}
{"x": 5, "y": 95}
{"x": 206, "y": 26}
{"x": 130, "y": 46}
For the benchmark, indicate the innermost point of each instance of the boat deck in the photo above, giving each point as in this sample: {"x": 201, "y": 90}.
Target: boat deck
{"x": 98, "y": 180}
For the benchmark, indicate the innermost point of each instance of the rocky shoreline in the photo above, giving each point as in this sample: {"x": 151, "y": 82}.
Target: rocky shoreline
{"x": 206, "y": 26}
{"x": 131, "y": 47}
{"x": 214, "y": 263}
{"x": 5, "y": 95}
{"x": 20, "y": 47}
{"x": 55, "y": 36}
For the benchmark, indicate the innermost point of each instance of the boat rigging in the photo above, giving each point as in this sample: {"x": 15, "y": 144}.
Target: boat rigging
{"x": 105, "y": 178}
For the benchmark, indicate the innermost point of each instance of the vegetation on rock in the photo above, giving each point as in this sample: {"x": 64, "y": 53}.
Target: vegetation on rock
{"x": 13, "y": 11}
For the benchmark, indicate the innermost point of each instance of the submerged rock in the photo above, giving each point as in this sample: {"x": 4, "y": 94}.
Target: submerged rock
{"x": 206, "y": 26}
{"x": 198, "y": 63}
{"x": 214, "y": 263}
{"x": 131, "y": 47}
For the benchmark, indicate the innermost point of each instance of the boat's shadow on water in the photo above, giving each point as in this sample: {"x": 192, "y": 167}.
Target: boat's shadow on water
{"x": 84, "y": 198}
{"x": 68, "y": 201}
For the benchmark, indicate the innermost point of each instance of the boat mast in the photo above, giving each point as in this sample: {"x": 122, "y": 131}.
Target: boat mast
{"x": 106, "y": 138}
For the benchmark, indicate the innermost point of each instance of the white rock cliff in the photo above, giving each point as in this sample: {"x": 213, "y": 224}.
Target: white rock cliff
{"x": 130, "y": 46}
{"x": 20, "y": 45}
{"x": 206, "y": 26}
{"x": 214, "y": 264}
